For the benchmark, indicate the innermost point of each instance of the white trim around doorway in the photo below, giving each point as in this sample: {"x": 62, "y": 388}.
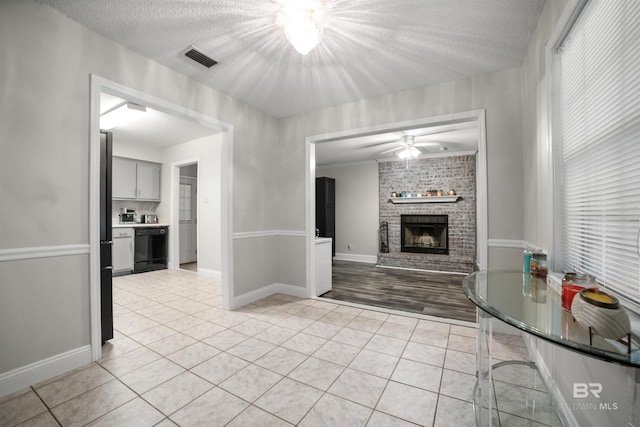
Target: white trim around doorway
{"x": 482, "y": 222}
{"x": 98, "y": 86}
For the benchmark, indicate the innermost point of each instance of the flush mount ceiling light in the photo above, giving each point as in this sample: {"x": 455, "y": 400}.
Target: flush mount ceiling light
{"x": 122, "y": 114}
{"x": 303, "y": 25}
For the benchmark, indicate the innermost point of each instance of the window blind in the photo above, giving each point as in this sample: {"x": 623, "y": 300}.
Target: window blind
{"x": 598, "y": 113}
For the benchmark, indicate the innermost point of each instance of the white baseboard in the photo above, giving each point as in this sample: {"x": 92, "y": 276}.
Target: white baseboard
{"x": 265, "y": 291}
{"x": 370, "y": 259}
{"x": 42, "y": 370}
{"x": 212, "y": 274}
{"x": 420, "y": 269}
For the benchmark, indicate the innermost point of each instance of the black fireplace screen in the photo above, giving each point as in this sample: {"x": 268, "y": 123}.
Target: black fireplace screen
{"x": 424, "y": 234}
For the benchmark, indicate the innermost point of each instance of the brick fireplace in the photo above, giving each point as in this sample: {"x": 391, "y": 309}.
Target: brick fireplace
{"x": 440, "y": 236}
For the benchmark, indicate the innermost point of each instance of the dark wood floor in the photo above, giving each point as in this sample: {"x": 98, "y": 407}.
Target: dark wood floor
{"x": 435, "y": 294}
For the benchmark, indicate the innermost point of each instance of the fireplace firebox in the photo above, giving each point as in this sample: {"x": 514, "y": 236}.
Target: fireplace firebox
{"x": 424, "y": 234}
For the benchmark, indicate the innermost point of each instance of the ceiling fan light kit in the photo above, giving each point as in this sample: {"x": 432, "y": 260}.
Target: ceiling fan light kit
{"x": 408, "y": 150}
{"x": 409, "y": 153}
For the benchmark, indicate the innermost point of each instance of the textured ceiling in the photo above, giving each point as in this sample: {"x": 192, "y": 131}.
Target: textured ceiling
{"x": 370, "y": 47}
{"x": 154, "y": 127}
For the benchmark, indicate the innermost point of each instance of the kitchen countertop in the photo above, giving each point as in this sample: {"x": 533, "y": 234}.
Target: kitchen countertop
{"x": 136, "y": 225}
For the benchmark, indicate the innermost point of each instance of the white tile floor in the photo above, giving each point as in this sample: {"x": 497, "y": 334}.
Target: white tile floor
{"x": 179, "y": 359}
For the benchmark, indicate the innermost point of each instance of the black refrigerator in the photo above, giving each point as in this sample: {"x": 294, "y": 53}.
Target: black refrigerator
{"x": 106, "y": 241}
{"x": 326, "y": 209}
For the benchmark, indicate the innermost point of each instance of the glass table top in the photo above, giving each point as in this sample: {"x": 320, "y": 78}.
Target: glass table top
{"x": 525, "y": 302}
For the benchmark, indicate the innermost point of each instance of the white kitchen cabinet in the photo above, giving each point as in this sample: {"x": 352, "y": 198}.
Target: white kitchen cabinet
{"x": 148, "y": 180}
{"x": 122, "y": 250}
{"x": 135, "y": 179}
{"x": 123, "y": 178}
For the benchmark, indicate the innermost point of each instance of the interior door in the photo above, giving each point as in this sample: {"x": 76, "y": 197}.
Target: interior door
{"x": 188, "y": 220}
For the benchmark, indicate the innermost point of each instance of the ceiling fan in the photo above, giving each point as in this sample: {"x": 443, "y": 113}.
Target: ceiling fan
{"x": 409, "y": 148}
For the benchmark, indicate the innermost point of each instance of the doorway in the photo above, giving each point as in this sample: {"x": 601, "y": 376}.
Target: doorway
{"x": 372, "y": 139}
{"x": 100, "y": 85}
{"x": 188, "y": 217}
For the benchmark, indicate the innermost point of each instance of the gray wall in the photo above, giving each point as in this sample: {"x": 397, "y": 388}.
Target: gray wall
{"x": 564, "y": 367}
{"x": 498, "y": 93}
{"x": 44, "y": 133}
{"x": 44, "y": 309}
{"x": 356, "y": 209}
{"x": 44, "y": 128}
{"x": 537, "y": 167}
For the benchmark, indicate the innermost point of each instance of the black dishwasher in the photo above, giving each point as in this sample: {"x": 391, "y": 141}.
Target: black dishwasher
{"x": 151, "y": 249}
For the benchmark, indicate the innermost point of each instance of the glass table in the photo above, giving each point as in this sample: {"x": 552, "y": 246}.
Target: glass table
{"x": 526, "y": 303}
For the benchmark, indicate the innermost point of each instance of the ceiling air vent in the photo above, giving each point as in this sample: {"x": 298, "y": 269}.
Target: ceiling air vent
{"x": 198, "y": 56}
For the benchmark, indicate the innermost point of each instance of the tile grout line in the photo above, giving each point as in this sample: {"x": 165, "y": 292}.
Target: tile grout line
{"x": 45, "y": 405}
{"x": 247, "y": 318}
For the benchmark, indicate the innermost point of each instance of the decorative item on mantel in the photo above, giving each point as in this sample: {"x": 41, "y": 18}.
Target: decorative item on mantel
{"x": 602, "y": 314}
{"x": 430, "y": 196}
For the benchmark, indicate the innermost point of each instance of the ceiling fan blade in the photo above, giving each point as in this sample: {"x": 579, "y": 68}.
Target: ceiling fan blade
{"x": 426, "y": 144}
{"x": 392, "y": 150}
